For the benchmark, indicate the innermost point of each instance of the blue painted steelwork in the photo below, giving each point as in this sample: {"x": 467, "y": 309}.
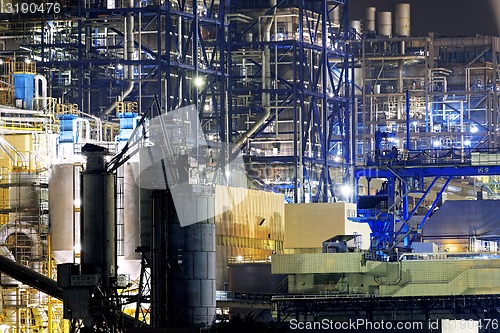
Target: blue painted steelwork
{"x": 67, "y": 129}
{"x": 128, "y": 122}
{"x": 309, "y": 103}
{"x": 389, "y": 207}
{"x": 89, "y": 58}
{"x": 301, "y": 82}
{"x": 24, "y": 89}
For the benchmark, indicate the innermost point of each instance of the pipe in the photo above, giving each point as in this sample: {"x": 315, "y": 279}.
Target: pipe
{"x": 129, "y": 51}
{"x": 408, "y": 119}
{"x": 266, "y": 77}
{"x": 129, "y": 36}
{"x": 256, "y": 125}
{"x": 43, "y": 81}
{"x": 4, "y": 143}
{"x": 83, "y": 129}
{"x": 266, "y": 63}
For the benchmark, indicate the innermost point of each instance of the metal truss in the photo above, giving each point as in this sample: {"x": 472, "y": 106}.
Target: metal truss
{"x": 94, "y": 54}
{"x": 292, "y": 74}
{"x": 415, "y": 308}
{"x": 390, "y": 216}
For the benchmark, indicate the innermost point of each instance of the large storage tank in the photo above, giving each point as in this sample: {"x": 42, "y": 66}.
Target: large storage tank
{"x": 385, "y": 24}
{"x": 355, "y": 25}
{"x": 129, "y": 260}
{"x": 402, "y": 22}
{"x": 370, "y": 19}
{"x": 61, "y": 212}
{"x": 334, "y": 14}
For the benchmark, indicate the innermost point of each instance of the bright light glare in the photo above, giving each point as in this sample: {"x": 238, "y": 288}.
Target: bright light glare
{"x": 4, "y": 328}
{"x": 345, "y": 190}
{"x": 474, "y": 129}
{"x": 119, "y": 67}
{"x": 436, "y": 143}
{"x": 239, "y": 258}
{"x": 467, "y": 143}
{"x": 77, "y": 203}
{"x": 199, "y": 81}
{"x": 78, "y": 248}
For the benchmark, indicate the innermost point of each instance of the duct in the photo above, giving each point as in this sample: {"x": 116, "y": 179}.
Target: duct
{"x": 61, "y": 211}
{"x": 6, "y": 230}
{"x": 266, "y": 66}
{"x": 245, "y": 136}
{"x": 266, "y": 58}
{"x": 129, "y": 36}
{"x": 41, "y": 79}
{"x": 23, "y": 228}
{"x": 13, "y": 110}
{"x": 4, "y": 145}
{"x": 239, "y": 17}
{"x": 98, "y": 123}
{"x": 84, "y": 123}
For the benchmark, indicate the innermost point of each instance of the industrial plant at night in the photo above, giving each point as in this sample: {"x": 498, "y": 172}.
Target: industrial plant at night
{"x": 185, "y": 166}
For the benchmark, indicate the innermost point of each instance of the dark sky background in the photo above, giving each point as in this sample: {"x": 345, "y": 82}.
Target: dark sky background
{"x": 445, "y": 17}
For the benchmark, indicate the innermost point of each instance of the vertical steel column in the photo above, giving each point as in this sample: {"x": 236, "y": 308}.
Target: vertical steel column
{"x": 325, "y": 107}
{"x": 297, "y": 161}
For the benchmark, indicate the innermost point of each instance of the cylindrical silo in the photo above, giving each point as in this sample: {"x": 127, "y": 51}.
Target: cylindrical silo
{"x": 384, "y": 23}
{"x": 130, "y": 263}
{"x": 61, "y": 212}
{"x": 402, "y": 22}
{"x": 355, "y": 25}
{"x": 98, "y": 229}
{"x": 191, "y": 258}
{"x": 24, "y": 196}
{"x": 334, "y": 14}
{"x": 370, "y": 19}
{"x": 193, "y": 285}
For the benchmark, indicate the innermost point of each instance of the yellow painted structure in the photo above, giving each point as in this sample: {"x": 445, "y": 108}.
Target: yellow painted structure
{"x": 249, "y": 226}
{"x": 413, "y": 275}
{"x": 308, "y": 225}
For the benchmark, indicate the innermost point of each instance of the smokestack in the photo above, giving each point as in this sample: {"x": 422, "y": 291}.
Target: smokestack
{"x": 402, "y": 22}
{"x": 385, "y": 24}
{"x": 370, "y": 19}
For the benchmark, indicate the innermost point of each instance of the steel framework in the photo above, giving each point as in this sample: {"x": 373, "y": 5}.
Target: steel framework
{"x": 416, "y": 172}
{"x": 291, "y": 77}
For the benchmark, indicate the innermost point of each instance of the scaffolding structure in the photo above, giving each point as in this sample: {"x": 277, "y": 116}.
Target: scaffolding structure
{"x": 450, "y": 84}
{"x": 275, "y": 79}
{"x": 291, "y": 96}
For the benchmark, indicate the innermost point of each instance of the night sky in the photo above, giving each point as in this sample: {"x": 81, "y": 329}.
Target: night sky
{"x": 445, "y": 17}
